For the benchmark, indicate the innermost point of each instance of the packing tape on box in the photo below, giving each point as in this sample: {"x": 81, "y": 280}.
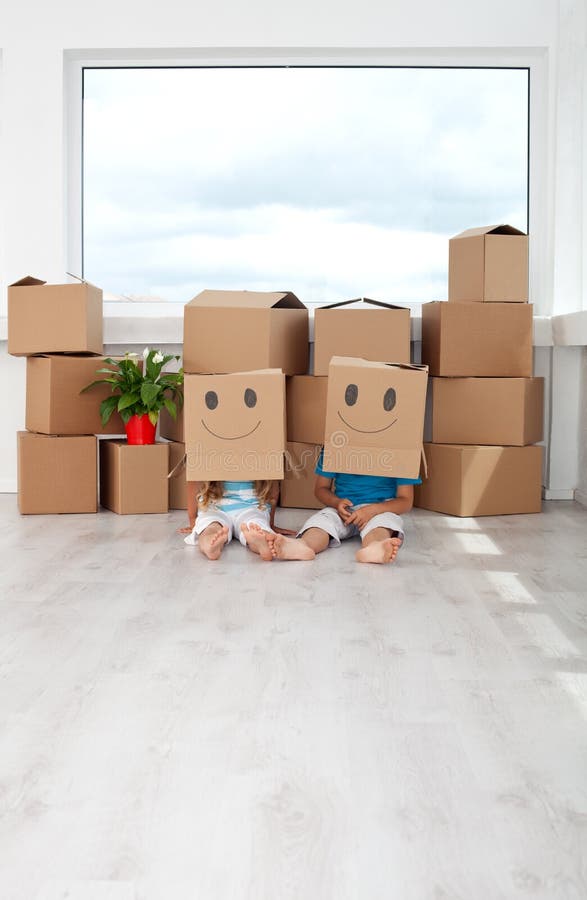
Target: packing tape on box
{"x": 424, "y": 463}
{"x": 293, "y": 467}
{"x": 178, "y": 467}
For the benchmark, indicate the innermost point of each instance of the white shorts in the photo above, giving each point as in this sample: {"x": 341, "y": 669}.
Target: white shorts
{"x": 329, "y": 521}
{"x": 232, "y": 520}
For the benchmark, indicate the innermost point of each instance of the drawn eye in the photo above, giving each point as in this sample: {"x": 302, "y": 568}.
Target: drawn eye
{"x": 389, "y": 399}
{"x": 351, "y": 394}
{"x": 250, "y": 398}
{"x": 211, "y": 399}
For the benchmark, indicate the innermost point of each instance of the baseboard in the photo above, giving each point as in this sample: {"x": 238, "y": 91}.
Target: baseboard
{"x": 581, "y": 497}
{"x": 7, "y": 485}
{"x": 550, "y": 494}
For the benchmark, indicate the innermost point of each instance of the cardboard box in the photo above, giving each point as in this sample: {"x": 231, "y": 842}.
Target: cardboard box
{"x": 177, "y": 482}
{"x": 363, "y": 328}
{"x": 489, "y": 264}
{"x": 54, "y": 404}
{"x": 240, "y": 331}
{"x": 477, "y": 339}
{"x": 306, "y": 408}
{"x": 54, "y": 318}
{"x": 56, "y": 474}
{"x": 297, "y": 487}
{"x": 374, "y": 418}
{"x": 481, "y": 481}
{"x": 133, "y": 478}
{"x": 508, "y": 411}
{"x": 172, "y": 429}
{"x": 235, "y": 426}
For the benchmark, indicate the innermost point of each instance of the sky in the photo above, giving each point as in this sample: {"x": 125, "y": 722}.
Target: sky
{"x": 328, "y": 182}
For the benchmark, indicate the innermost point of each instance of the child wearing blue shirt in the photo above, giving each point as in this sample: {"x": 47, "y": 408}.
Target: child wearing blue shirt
{"x": 368, "y": 505}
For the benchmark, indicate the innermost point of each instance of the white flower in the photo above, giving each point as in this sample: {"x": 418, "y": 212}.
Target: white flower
{"x": 146, "y": 352}
{"x": 158, "y": 358}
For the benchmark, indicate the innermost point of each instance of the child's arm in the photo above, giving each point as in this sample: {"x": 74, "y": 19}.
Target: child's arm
{"x": 403, "y": 502}
{"x": 193, "y": 489}
{"x": 323, "y": 493}
{"x": 272, "y": 500}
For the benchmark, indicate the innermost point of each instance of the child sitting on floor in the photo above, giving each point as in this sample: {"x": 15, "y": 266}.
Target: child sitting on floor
{"x": 367, "y": 505}
{"x": 221, "y": 510}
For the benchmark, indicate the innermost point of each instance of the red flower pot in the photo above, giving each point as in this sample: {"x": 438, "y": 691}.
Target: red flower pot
{"x": 140, "y": 430}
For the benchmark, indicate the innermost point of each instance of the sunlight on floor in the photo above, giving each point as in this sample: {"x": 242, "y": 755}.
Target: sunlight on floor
{"x": 575, "y": 684}
{"x": 457, "y": 524}
{"x": 478, "y": 543}
{"x": 509, "y": 588}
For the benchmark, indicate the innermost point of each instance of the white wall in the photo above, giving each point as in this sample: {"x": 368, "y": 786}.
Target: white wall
{"x": 581, "y": 493}
{"x": 37, "y": 39}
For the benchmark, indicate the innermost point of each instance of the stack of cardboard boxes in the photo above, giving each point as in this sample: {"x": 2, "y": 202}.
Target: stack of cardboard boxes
{"x": 362, "y": 328}
{"x": 59, "y": 329}
{"x": 238, "y": 348}
{"x": 486, "y": 408}
{"x": 57, "y": 455}
{"x": 248, "y": 397}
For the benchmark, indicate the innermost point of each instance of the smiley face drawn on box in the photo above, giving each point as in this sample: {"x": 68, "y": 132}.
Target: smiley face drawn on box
{"x": 234, "y": 425}
{"x": 351, "y": 398}
{"x": 374, "y": 417}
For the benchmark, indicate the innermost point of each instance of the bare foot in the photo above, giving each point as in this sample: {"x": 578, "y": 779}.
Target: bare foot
{"x": 379, "y": 551}
{"x": 212, "y": 544}
{"x": 257, "y": 540}
{"x": 290, "y": 548}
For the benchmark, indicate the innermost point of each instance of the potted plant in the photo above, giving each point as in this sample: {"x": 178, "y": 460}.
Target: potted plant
{"x": 140, "y": 389}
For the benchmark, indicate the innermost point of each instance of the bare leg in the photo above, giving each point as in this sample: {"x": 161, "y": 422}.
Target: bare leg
{"x": 212, "y": 540}
{"x": 258, "y": 540}
{"x": 379, "y": 546}
{"x": 312, "y": 541}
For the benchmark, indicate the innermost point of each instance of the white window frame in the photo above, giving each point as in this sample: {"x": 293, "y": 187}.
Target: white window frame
{"x": 541, "y": 133}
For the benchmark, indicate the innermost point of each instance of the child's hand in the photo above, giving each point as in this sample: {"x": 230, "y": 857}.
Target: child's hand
{"x": 344, "y": 509}
{"x": 361, "y": 516}
{"x": 187, "y": 530}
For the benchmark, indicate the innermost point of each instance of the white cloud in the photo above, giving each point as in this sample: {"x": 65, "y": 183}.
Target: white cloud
{"x": 343, "y": 181}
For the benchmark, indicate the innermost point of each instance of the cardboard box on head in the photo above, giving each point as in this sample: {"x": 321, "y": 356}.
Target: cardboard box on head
{"x": 232, "y": 331}
{"x": 235, "y": 426}
{"x": 374, "y": 418}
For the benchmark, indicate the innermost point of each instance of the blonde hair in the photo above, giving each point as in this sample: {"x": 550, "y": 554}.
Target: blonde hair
{"x": 214, "y": 490}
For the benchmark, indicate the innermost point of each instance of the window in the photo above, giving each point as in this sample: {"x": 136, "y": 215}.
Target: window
{"x": 329, "y": 181}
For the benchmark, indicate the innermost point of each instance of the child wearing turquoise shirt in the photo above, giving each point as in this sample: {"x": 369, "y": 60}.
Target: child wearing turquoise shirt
{"x": 367, "y": 505}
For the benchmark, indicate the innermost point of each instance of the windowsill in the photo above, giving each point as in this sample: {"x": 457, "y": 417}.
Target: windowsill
{"x": 160, "y": 323}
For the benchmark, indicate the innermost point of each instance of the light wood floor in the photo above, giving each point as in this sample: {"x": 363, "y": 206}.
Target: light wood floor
{"x": 175, "y": 729}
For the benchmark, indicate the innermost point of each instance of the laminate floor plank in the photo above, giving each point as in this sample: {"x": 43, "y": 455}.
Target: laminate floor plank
{"x": 176, "y": 729}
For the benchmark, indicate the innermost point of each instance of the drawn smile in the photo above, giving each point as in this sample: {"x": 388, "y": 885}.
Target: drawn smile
{"x": 236, "y": 437}
{"x": 366, "y": 430}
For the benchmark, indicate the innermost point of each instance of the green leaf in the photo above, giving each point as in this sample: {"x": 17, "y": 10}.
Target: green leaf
{"x": 107, "y": 407}
{"x": 171, "y": 408}
{"x": 153, "y": 416}
{"x": 125, "y": 415}
{"x": 149, "y": 392}
{"x": 127, "y": 400}
{"x": 109, "y": 372}
{"x": 99, "y": 381}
